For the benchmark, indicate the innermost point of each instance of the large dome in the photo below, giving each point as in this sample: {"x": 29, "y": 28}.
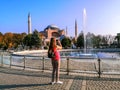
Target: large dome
{"x": 52, "y": 26}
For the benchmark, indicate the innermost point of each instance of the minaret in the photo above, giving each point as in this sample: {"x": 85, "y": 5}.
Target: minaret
{"x": 29, "y": 24}
{"x": 66, "y": 32}
{"x": 76, "y": 29}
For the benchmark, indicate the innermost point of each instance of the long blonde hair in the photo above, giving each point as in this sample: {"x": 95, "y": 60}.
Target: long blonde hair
{"x": 52, "y": 43}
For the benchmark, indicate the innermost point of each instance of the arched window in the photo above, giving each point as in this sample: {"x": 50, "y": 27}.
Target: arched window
{"x": 55, "y": 34}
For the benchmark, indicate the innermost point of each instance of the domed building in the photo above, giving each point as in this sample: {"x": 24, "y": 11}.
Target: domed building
{"x": 52, "y": 31}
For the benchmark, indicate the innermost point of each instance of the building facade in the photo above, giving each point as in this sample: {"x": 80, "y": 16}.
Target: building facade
{"x": 52, "y": 31}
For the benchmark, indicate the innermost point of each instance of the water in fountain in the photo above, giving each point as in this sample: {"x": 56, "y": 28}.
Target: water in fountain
{"x": 84, "y": 29}
{"x": 86, "y": 54}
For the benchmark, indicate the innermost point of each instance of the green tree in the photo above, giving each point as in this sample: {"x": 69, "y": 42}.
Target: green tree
{"x": 1, "y": 34}
{"x": 32, "y": 40}
{"x": 22, "y": 37}
{"x": 118, "y": 39}
{"x": 36, "y": 40}
{"x": 96, "y": 40}
{"x": 80, "y": 41}
{"x": 27, "y": 40}
{"x": 66, "y": 42}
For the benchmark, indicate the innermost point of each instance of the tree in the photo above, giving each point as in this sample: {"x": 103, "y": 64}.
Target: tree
{"x": 8, "y": 40}
{"x": 118, "y": 39}
{"x": 32, "y": 40}
{"x": 1, "y": 40}
{"x": 1, "y": 34}
{"x": 36, "y": 41}
{"x": 22, "y": 37}
{"x": 17, "y": 39}
{"x": 66, "y": 42}
{"x": 96, "y": 40}
{"x": 27, "y": 40}
{"x": 80, "y": 41}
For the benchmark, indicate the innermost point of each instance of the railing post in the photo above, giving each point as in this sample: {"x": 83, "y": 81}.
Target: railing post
{"x": 43, "y": 68}
{"x": 24, "y": 63}
{"x": 10, "y": 61}
{"x": 2, "y": 60}
{"x": 99, "y": 67}
{"x": 68, "y": 66}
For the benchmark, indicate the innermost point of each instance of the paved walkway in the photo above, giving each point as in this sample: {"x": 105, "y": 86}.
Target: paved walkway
{"x": 16, "y": 79}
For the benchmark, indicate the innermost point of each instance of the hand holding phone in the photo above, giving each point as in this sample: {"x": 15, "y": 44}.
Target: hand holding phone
{"x": 58, "y": 42}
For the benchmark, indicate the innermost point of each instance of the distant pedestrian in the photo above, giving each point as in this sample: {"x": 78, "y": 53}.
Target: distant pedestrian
{"x": 55, "y": 45}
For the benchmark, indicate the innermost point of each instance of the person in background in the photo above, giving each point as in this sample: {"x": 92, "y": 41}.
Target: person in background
{"x": 55, "y": 45}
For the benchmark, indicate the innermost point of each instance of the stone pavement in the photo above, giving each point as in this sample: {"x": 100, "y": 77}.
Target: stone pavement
{"x": 16, "y": 79}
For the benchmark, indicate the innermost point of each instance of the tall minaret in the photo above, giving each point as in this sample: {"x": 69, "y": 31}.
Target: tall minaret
{"x": 66, "y": 33}
{"x": 29, "y": 24}
{"x": 76, "y": 29}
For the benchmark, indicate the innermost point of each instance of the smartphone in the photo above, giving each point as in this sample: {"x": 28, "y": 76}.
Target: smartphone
{"x": 57, "y": 42}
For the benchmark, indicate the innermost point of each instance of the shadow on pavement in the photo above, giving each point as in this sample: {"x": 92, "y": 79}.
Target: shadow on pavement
{"x": 21, "y": 85}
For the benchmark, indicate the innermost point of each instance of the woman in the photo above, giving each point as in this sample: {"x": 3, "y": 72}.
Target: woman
{"x": 55, "y": 46}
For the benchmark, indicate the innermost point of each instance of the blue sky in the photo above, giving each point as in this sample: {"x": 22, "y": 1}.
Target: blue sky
{"x": 103, "y": 16}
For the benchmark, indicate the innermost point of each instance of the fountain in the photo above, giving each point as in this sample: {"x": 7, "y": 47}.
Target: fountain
{"x": 85, "y": 54}
{"x": 84, "y": 29}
